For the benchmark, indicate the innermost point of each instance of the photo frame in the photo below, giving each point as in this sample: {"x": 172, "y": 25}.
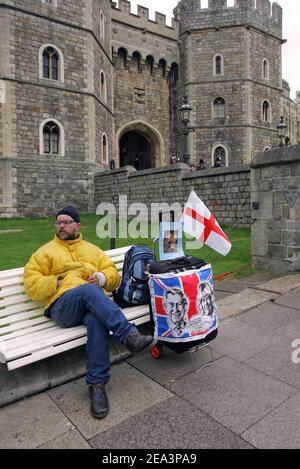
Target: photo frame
{"x": 170, "y": 240}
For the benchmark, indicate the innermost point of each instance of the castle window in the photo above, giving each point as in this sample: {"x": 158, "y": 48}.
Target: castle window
{"x": 51, "y": 138}
{"x": 104, "y": 149}
{"x": 266, "y": 111}
{"x": 265, "y": 69}
{"x": 103, "y": 86}
{"x": 219, "y": 156}
{"x": 51, "y": 63}
{"x": 52, "y": 3}
{"x": 218, "y": 65}
{"x": 219, "y": 108}
{"x": 102, "y": 26}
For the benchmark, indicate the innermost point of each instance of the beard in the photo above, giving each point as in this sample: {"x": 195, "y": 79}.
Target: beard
{"x": 67, "y": 236}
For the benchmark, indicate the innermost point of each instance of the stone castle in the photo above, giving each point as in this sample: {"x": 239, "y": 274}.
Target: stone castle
{"x": 86, "y": 86}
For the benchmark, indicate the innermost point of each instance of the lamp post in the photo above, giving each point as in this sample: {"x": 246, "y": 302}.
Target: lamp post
{"x": 281, "y": 128}
{"x": 185, "y": 118}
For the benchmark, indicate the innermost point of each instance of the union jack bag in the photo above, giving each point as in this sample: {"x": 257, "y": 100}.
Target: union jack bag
{"x": 183, "y": 305}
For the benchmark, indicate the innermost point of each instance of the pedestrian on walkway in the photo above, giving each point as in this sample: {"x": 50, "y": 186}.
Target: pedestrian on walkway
{"x": 69, "y": 276}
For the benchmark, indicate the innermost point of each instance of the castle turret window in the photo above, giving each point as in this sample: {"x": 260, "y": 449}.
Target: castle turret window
{"x": 51, "y": 138}
{"x": 219, "y": 108}
{"x": 266, "y": 111}
{"x": 104, "y": 149}
{"x": 218, "y": 65}
{"x": 51, "y": 63}
{"x": 265, "y": 69}
{"x": 103, "y": 94}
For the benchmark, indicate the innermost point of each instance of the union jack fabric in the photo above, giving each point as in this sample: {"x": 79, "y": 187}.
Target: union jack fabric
{"x": 183, "y": 305}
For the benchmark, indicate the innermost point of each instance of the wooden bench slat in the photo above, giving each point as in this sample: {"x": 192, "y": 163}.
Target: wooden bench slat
{"x": 21, "y": 316}
{"x": 36, "y": 356}
{"x": 14, "y": 300}
{"x": 9, "y": 291}
{"x": 19, "y": 271}
{"x": 22, "y": 307}
{"x": 21, "y": 325}
{"x": 33, "y": 326}
{"x": 9, "y": 282}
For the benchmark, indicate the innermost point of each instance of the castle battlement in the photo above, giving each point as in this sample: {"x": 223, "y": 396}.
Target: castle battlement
{"x": 261, "y": 10}
{"x": 123, "y": 13}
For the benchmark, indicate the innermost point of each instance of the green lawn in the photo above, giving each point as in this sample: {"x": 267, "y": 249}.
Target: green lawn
{"x": 16, "y": 247}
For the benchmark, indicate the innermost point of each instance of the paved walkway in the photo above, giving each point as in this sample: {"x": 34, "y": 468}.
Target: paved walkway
{"x": 248, "y": 398}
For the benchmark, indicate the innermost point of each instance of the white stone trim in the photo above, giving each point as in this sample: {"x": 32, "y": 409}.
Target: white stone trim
{"x": 61, "y": 63}
{"x": 61, "y": 150}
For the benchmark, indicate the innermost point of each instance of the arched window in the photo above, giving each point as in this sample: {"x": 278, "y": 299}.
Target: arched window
{"x": 102, "y": 26}
{"x": 104, "y": 149}
{"x": 266, "y": 111}
{"x": 52, "y": 3}
{"x": 103, "y": 95}
{"x": 219, "y": 108}
{"x": 265, "y": 69}
{"x": 51, "y": 138}
{"x": 51, "y": 63}
{"x": 150, "y": 63}
{"x": 219, "y": 157}
{"x": 218, "y": 65}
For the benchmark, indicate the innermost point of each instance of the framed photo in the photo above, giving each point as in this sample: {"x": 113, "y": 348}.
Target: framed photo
{"x": 170, "y": 240}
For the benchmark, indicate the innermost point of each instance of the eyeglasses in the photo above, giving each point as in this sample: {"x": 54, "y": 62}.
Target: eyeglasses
{"x": 65, "y": 222}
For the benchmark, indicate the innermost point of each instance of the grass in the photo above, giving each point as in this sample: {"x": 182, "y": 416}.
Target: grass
{"x": 17, "y": 247}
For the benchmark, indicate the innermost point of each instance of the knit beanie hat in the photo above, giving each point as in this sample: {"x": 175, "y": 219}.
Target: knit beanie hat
{"x": 71, "y": 211}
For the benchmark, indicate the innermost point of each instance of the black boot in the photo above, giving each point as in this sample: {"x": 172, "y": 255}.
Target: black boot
{"x": 99, "y": 401}
{"x": 136, "y": 342}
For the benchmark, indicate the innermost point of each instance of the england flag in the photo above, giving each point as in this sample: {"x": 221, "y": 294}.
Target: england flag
{"x": 200, "y": 223}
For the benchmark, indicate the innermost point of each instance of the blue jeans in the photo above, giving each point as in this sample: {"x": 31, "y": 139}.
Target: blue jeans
{"x": 88, "y": 305}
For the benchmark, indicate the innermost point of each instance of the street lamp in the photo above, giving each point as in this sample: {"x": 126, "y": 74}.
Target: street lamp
{"x": 281, "y": 128}
{"x": 185, "y": 118}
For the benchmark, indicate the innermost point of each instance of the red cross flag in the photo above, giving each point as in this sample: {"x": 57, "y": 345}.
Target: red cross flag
{"x": 199, "y": 222}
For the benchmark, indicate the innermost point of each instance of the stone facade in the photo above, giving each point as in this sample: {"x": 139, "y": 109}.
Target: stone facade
{"x": 120, "y": 83}
{"x": 226, "y": 191}
{"x": 275, "y": 197}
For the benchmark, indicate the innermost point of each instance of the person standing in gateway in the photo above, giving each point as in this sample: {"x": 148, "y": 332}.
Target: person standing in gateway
{"x": 69, "y": 276}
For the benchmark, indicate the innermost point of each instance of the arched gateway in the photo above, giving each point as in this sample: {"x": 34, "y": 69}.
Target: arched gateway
{"x": 140, "y": 145}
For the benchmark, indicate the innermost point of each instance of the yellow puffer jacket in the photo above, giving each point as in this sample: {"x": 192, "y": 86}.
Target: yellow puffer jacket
{"x": 73, "y": 262}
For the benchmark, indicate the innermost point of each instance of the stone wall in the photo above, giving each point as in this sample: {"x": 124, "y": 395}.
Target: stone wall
{"x": 275, "y": 197}
{"x": 225, "y": 191}
{"x": 32, "y": 188}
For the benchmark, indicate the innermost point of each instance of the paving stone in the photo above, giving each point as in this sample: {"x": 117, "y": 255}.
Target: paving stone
{"x": 277, "y": 362}
{"x": 172, "y": 366}
{"x": 173, "y": 423}
{"x": 291, "y": 299}
{"x": 281, "y": 284}
{"x": 269, "y": 316}
{"x": 232, "y": 393}
{"x": 70, "y": 440}
{"x": 243, "y": 301}
{"x": 242, "y": 341}
{"x": 278, "y": 430}
{"x": 32, "y": 422}
{"x": 129, "y": 392}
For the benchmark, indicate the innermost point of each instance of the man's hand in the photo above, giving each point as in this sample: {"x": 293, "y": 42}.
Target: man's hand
{"x": 93, "y": 280}
{"x": 59, "y": 282}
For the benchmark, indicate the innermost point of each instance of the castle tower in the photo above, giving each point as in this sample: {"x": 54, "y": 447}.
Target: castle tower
{"x": 56, "y": 106}
{"x": 230, "y": 69}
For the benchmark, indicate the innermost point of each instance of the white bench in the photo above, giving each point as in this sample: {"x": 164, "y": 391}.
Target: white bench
{"x": 27, "y": 336}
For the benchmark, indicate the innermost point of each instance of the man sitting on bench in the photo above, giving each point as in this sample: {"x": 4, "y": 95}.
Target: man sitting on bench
{"x": 68, "y": 276}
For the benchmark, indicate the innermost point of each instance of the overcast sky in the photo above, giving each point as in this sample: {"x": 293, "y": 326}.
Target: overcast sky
{"x": 291, "y": 32}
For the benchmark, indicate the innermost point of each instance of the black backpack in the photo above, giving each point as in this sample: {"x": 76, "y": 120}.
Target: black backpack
{"x": 134, "y": 289}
